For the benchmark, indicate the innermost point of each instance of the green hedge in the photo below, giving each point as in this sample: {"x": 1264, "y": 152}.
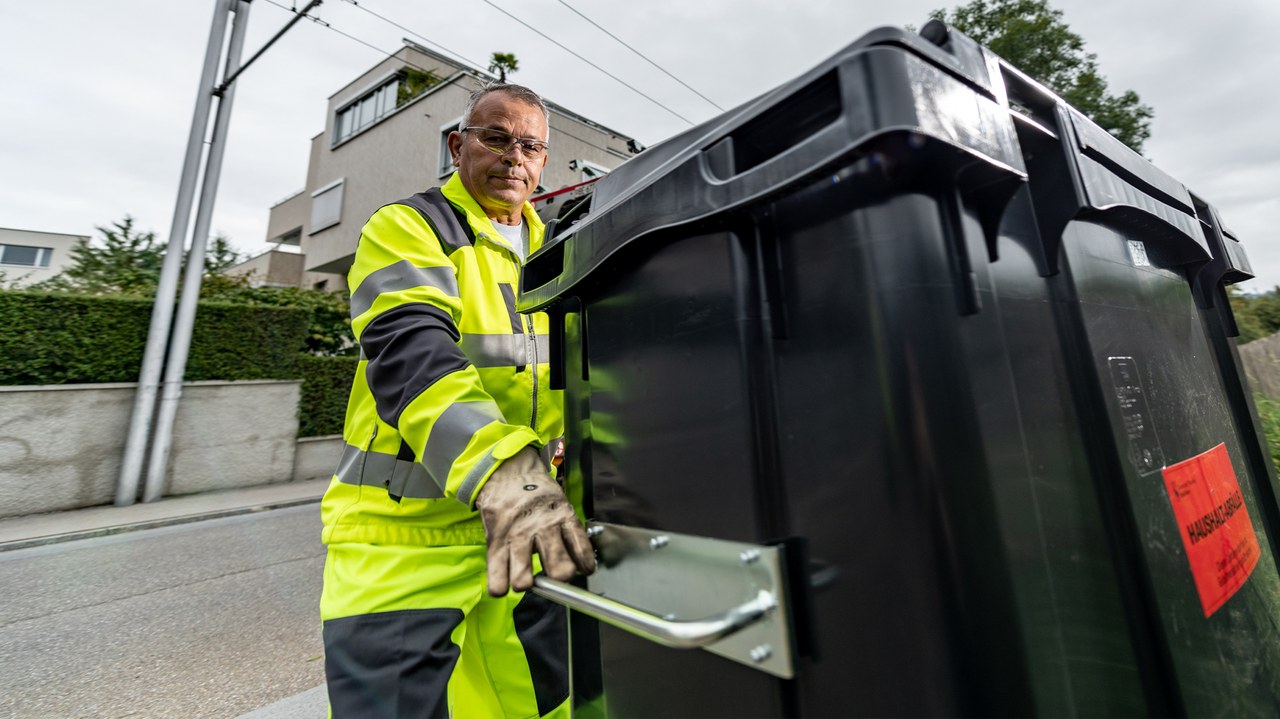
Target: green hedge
{"x": 326, "y": 384}
{"x": 1269, "y": 414}
{"x": 247, "y": 342}
{"x": 69, "y": 339}
{"x": 53, "y": 338}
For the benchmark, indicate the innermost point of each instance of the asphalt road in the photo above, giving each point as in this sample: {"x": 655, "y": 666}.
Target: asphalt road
{"x": 208, "y": 620}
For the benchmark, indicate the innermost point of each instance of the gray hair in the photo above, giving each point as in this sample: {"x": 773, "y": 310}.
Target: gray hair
{"x": 515, "y": 92}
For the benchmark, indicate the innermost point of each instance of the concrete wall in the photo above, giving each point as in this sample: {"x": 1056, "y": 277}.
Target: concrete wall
{"x": 1261, "y": 360}
{"x": 288, "y": 215}
{"x": 61, "y": 445}
{"x": 317, "y": 457}
{"x": 273, "y": 268}
{"x": 234, "y": 434}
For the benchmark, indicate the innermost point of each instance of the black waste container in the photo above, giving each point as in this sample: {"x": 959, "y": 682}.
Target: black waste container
{"x": 961, "y": 362}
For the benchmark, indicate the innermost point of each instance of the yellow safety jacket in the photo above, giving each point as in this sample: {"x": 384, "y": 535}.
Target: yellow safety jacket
{"x": 451, "y": 379}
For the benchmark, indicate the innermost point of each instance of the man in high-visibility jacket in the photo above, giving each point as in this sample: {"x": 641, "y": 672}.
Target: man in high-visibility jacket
{"x": 442, "y": 492}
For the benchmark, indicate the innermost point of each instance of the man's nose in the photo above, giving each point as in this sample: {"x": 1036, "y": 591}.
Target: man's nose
{"x": 513, "y": 155}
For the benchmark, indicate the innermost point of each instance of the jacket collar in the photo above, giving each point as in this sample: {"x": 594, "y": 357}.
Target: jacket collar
{"x": 481, "y": 225}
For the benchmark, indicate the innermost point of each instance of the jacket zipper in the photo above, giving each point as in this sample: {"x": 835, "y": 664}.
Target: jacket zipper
{"x": 532, "y": 339}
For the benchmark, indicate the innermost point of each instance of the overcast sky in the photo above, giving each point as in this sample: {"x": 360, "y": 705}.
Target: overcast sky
{"x": 98, "y": 96}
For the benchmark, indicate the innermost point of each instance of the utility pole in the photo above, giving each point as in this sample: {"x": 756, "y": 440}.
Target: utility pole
{"x": 180, "y": 343}
{"x": 144, "y": 401}
{"x": 158, "y": 339}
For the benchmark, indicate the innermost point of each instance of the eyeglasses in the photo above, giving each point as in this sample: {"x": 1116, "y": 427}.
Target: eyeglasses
{"x": 502, "y": 142}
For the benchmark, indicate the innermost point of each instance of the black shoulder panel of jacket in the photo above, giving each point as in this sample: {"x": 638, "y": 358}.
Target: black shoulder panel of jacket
{"x": 449, "y": 223}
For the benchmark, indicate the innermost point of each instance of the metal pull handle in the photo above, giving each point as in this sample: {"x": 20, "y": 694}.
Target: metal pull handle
{"x": 670, "y": 633}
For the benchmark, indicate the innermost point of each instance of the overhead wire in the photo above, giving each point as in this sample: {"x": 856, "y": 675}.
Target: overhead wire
{"x": 473, "y": 62}
{"x": 560, "y": 45}
{"x": 325, "y": 24}
{"x": 349, "y": 36}
{"x": 418, "y": 35}
{"x": 410, "y": 63}
{"x": 637, "y": 52}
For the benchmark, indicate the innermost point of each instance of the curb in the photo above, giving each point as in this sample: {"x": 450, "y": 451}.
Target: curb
{"x": 151, "y": 524}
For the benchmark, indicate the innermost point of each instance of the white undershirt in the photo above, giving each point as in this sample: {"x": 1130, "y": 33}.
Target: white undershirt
{"x": 516, "y": 235}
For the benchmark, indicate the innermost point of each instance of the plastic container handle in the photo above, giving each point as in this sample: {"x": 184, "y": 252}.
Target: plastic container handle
{"x": 669, "y": 633}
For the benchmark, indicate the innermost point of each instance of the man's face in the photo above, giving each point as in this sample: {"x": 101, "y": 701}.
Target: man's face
{"x": 501, "y": 183}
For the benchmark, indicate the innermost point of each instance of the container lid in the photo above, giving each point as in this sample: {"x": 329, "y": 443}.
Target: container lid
{"x": 888, "y": 83}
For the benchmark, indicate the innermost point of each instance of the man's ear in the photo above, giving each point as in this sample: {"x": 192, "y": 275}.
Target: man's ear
{"x": 455, "y": 145}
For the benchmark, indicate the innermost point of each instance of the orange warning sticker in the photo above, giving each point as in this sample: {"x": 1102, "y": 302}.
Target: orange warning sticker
{"x": 1214, "y": 523}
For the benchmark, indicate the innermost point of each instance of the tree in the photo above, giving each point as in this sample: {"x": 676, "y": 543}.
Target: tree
{"x": 1244, "y": 307}
{"x": 123, "y": 262}
{"x": 414, "y": 83}
{"x": 220, "y": 254}
{"x": 1034, "y": 38}
{"x": 1257, "y": 316}
{"x": 502, "y": 63}
{"x": 127, "y": 262}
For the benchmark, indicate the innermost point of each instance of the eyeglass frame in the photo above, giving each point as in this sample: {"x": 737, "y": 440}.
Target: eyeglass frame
{"x": 515, "y": 141}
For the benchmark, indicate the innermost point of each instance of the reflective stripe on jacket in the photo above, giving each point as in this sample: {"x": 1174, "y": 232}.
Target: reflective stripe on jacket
{"x": 451, "y": 379}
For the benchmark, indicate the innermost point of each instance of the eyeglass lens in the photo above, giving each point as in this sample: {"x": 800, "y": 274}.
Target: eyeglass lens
{"x": 502, "y": 142}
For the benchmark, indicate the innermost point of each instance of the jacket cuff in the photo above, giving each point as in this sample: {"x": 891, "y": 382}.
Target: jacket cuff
{"x": 505, "y": 449}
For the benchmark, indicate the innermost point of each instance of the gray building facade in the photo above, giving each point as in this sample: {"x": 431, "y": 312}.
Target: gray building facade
{"x": 385, "y": 139}
{"x": 31, "y": 256}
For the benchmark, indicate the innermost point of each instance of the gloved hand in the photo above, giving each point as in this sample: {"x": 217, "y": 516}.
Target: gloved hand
{"x": 523, "y": 510}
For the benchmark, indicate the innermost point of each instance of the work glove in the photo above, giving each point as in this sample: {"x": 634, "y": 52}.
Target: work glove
{"x": 524, "y": 510}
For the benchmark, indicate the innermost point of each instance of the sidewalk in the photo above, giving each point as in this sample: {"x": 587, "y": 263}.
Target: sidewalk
{"x": 34, "y": 530}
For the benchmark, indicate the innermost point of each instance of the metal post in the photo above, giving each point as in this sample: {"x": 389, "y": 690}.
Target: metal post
{"x": 162, "y": 313}
{"x": 180, "y": 344}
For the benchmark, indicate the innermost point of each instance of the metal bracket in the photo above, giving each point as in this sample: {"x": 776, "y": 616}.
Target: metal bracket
{"x": 687, "y": 592}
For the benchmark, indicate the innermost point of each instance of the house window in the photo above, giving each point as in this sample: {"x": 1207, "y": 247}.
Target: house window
{"x": 25, "y": 255}
{"x": 446, "y": 158}
{"x": 364, "y": 111}
{"x": 382, "y": 100}
{"x": 326, "y": 206}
